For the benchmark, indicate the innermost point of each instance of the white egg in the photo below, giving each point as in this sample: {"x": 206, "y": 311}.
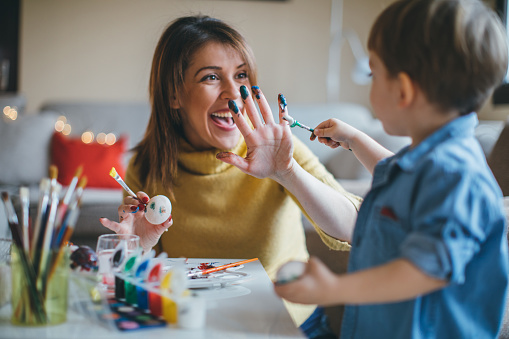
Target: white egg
{"x": 290, "y": 271}
{"x": 158, "y": 210}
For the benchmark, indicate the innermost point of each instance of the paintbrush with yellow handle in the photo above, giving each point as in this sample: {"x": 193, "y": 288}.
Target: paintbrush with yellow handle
{"x": 116, "y": 176}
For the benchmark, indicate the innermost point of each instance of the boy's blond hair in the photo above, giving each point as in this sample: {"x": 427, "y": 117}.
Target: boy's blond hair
{"x": 454, "y": 50}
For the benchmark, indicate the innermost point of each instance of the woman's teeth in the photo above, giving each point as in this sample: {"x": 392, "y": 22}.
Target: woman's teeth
{"x": 223, "y": 118}
{"x": 222, "y": 115}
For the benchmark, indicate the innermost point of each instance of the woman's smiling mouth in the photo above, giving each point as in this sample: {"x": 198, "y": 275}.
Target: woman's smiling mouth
{"x": 223, "y": 120}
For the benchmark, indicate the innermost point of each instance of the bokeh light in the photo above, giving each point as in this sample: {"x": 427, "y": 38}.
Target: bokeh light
{"x": 87, "y": 137}
{"x": 101, "y": 138}
{"x": 66, "y": 130}
{"x": 110, "y": 139}
{"x": 10, "y": 112}
{"x": 59, "y": 126}
{"x": 62, "y": 125}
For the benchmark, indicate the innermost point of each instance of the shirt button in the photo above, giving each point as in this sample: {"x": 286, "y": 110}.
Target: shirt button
{"x": 453, "y": 234}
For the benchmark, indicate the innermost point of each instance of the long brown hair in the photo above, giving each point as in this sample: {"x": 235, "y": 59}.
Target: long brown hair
{"x": 157, "y": 153}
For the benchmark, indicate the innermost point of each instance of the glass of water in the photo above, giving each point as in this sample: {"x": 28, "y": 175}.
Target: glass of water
{"x": 106, "y": 245}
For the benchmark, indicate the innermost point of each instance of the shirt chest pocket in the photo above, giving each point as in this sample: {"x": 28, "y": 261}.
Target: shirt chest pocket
{"x": 385, "y": 232}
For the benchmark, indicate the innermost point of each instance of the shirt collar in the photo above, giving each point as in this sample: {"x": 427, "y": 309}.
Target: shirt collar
{"x": 462, "y": 126}
{"x": 205, "y": 162}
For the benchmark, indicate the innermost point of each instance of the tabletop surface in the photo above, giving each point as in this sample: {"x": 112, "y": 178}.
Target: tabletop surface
{"x": 245, "y": 309}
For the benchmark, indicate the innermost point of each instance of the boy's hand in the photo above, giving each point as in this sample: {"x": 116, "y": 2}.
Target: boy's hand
{"x": 313, "y": 287}
{"x": 132, "y": 221}
{"x": 334, "y": 133}
{"x": 395, "y": 281}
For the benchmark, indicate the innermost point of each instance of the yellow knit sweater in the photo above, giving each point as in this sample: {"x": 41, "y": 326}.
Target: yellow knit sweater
{"x": 220, "y": 212}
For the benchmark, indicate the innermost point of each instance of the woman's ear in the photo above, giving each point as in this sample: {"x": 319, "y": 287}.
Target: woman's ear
{"x": 407, "y": 90}
{"x": 174, "y": 102}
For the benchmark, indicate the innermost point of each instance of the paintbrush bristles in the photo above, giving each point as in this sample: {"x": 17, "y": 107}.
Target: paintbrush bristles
{"x": 9, "y": 209}
{"x": 83, "y": 182}
{"x": 23, "y": 191}
{"x": 53, "y": 172}
{"x": 113, "y": 173}
{"x": 288, "y": 118}
{"x": 79, "y": 172}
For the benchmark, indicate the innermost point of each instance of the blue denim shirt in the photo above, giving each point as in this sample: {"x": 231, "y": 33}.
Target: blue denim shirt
{"x": 438, "y": 206}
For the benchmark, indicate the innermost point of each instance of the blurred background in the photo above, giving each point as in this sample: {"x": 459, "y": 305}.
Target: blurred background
{"x": 99, "y": 50}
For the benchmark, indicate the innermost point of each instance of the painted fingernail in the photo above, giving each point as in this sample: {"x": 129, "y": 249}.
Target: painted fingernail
{"x": 233, "y": 106}
{"x": 135, "y": 209}
{"x": 223, "y": 155}
{"x": 282, "y": 102}
{"x": 244, "y": 93}
{"x": 144, "y": 199}
{"x": 256, "y": 91}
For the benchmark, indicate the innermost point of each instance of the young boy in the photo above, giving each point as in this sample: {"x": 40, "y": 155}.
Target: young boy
{"x": 429, "y": 254}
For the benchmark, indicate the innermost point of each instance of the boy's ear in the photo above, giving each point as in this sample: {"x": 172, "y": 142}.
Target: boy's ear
{"x": 407, "y": 90}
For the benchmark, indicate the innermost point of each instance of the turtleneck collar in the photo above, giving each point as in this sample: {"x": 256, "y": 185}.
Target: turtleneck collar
{"x": 204, "y": 162}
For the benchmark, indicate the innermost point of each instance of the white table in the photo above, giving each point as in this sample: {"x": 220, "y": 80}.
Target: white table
{"x": 257, "y": 312}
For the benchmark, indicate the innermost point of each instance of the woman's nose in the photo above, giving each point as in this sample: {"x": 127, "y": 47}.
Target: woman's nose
{"x": 230, "y": 90}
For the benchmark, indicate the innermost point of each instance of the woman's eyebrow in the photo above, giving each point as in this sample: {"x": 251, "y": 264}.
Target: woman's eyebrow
{"x": 215, "y": 68}
{"x": 207, "y": 67}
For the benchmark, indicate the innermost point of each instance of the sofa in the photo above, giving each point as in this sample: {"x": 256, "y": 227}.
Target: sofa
{"x": 26, "y": 150}
{"x": 25, "y": 155}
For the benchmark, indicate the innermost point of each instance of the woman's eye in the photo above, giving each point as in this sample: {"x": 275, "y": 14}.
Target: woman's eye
{"x": 210, "y": 77}
{"x": 242, "y": 75}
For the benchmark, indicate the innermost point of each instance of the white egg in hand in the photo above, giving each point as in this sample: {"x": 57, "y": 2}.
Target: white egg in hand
{"x": 290, "y": 271}
{"x": 158, "y": 210}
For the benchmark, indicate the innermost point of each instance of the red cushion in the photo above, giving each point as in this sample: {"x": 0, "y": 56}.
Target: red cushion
{"x": 97, "y": 160}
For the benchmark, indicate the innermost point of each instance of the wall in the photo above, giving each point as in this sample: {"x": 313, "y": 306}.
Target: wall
{"x": 101, "y": 50}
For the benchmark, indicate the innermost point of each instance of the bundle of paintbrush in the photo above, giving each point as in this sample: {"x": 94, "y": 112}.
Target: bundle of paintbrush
{"x": 39, "y": 248}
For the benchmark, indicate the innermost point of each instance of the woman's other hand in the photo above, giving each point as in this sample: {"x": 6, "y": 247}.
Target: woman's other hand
{"x": 269, "y": 144}
{"x": 132, "y": 221}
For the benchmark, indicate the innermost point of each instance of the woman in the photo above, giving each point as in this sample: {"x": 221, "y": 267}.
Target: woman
{"x": 199, "y": 64}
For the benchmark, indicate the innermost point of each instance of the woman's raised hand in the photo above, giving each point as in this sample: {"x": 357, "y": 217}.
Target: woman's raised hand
{"x": 269, "y": 144}
{"x": 132, "y": 221}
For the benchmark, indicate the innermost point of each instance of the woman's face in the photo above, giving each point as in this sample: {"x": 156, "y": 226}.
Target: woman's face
{"x": 214, "y": 76}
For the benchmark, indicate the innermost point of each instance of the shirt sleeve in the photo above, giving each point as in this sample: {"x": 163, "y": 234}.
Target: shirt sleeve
{"x": 450, "y": 216}
{"x": 309, "y": 162}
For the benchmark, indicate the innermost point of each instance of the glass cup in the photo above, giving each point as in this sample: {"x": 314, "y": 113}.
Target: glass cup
{"x": 106, "y": 245}
{"x": 5, "y": 271}
{"x": 39, "y": 297}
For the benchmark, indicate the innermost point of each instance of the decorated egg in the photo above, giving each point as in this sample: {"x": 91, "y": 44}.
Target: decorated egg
{"x": 158, "y": 210}
{"x": 290, "y": 271}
